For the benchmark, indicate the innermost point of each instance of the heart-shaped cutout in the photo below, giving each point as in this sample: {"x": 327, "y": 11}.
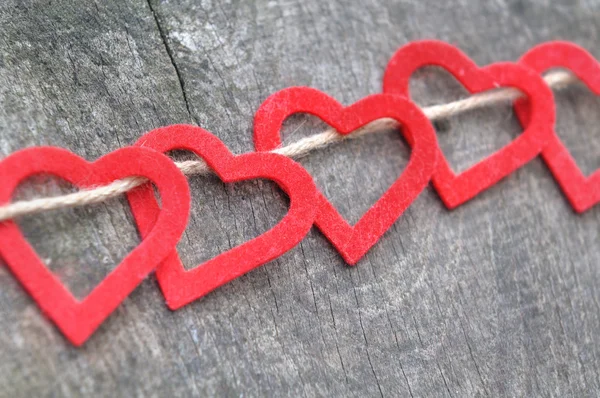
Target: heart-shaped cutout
{"x": 181, "y": 286}
{"x": 79, "y": 319}
{"x": 352, "y": 242}
{"x": 81, "y": 245}
{"x": 581, "y": 191}
{"x": 456, "y": 189}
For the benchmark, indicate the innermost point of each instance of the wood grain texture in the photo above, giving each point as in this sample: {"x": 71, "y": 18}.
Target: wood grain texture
{"x": 498, "y": 297}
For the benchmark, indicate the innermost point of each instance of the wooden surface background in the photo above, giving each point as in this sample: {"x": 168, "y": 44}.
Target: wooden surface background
{"x": 499, "y": 297}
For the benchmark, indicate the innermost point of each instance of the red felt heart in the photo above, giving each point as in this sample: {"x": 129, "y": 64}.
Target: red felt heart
{"x": 352, "y": 242}
{"x": 457, "y": 189}
{"x": 583, "y": 192}
{"x": 181, "y": 286}
{"x": 78, "y": 319}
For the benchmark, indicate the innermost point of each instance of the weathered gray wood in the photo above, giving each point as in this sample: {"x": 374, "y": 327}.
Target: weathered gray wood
{"x": 498, "y": 297}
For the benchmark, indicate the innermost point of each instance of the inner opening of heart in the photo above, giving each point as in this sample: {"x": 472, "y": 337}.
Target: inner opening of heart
{"x": 223, "y": 216}
{"x": 577, "y": 121}
{"x": 354, "y": 173}
{"x": 468, "y": 137}
{"x": 79, "y": 245}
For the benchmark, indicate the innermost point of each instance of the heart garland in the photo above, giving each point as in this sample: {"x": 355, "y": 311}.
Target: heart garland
{"x": 161, "y": 226}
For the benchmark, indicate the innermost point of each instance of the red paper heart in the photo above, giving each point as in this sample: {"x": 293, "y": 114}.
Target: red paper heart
{"x": 583, "y": 192}
{"x": 78, "y": 319}
{"x": 181, "y": 287}
{"x": 352, "y": 242}
{"x": 457, "y": 189}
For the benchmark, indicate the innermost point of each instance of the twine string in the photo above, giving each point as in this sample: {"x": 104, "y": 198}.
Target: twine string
{"x": 556, "y": 79}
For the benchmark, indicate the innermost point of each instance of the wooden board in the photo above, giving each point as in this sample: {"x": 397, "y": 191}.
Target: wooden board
{"x": 499, "y": 297}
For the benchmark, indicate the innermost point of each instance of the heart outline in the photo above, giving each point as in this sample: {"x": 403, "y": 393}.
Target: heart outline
{"x": 78, "y": 319}
{"x": 353, "y": 242}
{"x": 456, "y": 189}
{"x": 180, "y": 286}
{"x": 582, "y": 191}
